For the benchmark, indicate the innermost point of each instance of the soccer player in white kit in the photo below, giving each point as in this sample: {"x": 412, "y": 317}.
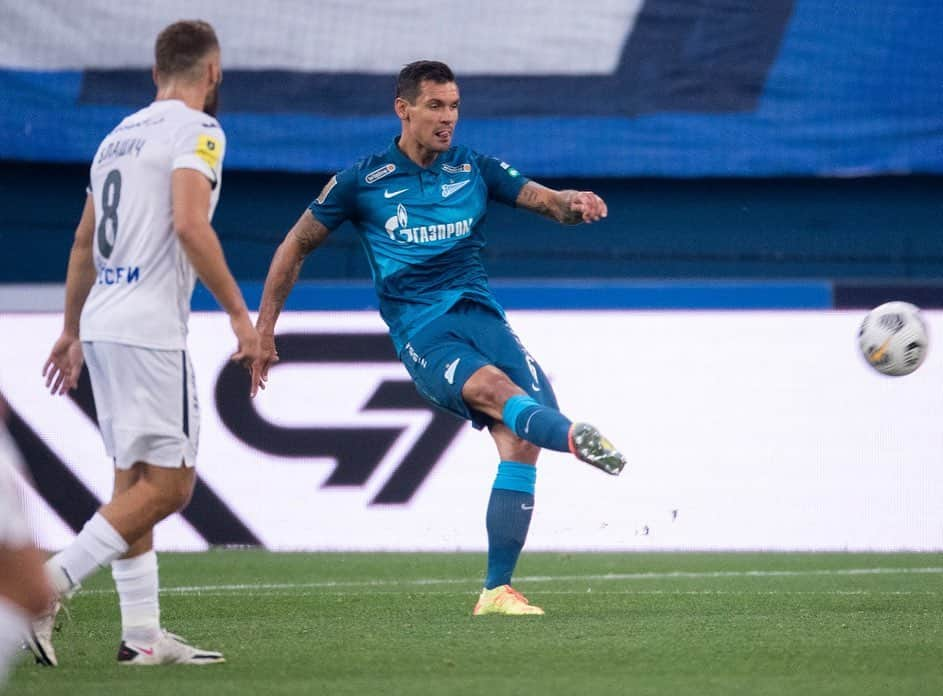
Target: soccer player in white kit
{"x": 143, "y": 237}
{"x": 24, "y": 590}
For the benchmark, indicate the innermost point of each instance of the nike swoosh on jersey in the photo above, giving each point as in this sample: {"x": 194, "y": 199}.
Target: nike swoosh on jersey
{"x": 390, "y": 194}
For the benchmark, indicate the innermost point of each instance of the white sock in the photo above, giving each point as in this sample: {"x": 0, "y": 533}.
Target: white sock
{"x": 14, "y": 627}
{"x": 136, "y": 581}
{"x": 97, "y": 545}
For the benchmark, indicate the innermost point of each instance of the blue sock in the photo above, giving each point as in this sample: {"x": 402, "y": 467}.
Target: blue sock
{"x": 509, "y": 510}
{"x": 540, "y": 425}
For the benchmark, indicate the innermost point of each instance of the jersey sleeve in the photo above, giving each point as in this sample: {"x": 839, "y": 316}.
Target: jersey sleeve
{"x": 504, "y": 182}
{"x": 201, "y": 145}
{"x": 335, "y": 203}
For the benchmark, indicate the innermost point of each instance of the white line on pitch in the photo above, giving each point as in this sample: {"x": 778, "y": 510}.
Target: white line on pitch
{"x": 423, "y": 582}
{"x": 473, "y": 591}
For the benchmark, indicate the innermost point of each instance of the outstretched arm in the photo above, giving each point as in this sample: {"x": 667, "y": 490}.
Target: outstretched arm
{"x": 64, "y": 364}
{"x": 191, "y": 204}
{"x": 303, "y": 238}
{"x": 567, "y": 207}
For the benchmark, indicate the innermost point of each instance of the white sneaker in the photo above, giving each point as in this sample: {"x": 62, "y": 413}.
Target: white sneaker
{"x": 170, "y": 649}
{"x": 39, "y": 640}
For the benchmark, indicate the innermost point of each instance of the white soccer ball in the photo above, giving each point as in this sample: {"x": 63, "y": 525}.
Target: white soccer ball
{"x": 893, "y": 338}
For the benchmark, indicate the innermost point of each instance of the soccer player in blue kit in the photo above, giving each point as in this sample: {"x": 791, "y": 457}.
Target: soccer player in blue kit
{"x": 418, "y": 208}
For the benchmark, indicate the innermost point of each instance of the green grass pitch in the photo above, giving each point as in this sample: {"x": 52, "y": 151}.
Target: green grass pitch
{"x": 633, "y": 623}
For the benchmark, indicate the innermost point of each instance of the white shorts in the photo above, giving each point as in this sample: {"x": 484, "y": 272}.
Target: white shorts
{"x": 14, "y": 532}
{"x": 146, "y": 403}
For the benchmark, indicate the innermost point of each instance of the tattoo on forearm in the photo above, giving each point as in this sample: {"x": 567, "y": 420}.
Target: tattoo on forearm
{"x": 531, "y": 199}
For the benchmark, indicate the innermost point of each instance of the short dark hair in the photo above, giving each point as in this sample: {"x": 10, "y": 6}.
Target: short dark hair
{"x": 181, "y": 46}
{"x": 411, "y": 77}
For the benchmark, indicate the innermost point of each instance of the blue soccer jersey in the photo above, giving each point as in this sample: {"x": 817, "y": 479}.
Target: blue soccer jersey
{"x": 421, "y": 228}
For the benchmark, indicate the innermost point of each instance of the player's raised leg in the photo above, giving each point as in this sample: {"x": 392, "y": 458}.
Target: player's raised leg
{"x": 492, "y": 392}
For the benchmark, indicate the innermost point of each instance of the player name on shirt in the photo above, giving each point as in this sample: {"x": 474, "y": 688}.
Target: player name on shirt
{"x": 120, "y": 148}
{"x": 115, "y": 275}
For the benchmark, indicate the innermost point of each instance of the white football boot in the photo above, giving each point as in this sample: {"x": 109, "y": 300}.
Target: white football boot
{"x": 170, "y": 649}
{"x": 39, "y": 640}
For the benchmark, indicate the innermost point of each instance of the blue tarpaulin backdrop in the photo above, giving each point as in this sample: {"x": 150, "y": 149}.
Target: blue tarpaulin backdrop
{"x": 653, "y": 87}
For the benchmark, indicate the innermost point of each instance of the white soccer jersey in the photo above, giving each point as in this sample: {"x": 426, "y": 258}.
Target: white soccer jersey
{"x": 141, "y": 296}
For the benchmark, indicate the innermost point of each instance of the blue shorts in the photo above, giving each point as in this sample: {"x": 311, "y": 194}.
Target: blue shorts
{"x": 442, "y": 355}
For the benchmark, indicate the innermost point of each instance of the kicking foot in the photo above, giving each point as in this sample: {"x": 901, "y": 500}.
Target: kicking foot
{"x": 588, "y": 445}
